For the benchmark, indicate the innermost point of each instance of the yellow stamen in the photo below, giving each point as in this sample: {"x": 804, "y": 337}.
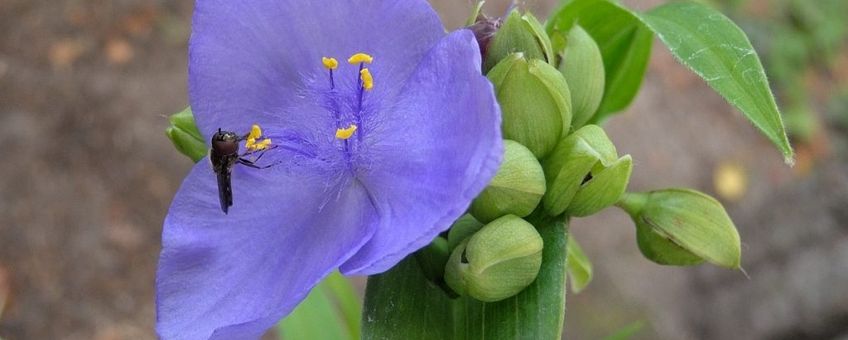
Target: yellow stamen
{"x": 346, "y": 133}
{"x": 255, "y": 132}
{"x": 367, "y": 80}
{"x": 261, "y": 145}
{"x": 360, "y": 58}
{"x": 330, "y": 63}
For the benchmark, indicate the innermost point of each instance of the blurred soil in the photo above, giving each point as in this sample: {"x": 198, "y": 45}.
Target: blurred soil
{"x": 88, "y": 174}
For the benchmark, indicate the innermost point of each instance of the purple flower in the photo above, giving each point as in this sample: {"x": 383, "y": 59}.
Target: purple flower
{"x": 375, "y": 157}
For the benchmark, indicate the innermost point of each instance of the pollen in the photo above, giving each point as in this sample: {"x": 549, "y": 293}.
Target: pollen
{"x": 330, "y": 63}
{"x": 255, "y": 132}
{"x": 251, "y": 143}
{"x": 260, "y": 145}
{"x": 346, "y": 133}
{"x": 367, "y": 80}
{"x": 360, "y": 58}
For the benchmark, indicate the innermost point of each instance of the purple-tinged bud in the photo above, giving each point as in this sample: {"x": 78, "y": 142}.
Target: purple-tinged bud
{"x": 484, "y": 29}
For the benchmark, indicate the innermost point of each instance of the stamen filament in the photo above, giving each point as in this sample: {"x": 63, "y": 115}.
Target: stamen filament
{"x": 330, "y": 64}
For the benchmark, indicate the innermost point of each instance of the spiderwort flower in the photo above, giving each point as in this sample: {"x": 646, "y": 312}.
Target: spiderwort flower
{"x": 375, "y": 154}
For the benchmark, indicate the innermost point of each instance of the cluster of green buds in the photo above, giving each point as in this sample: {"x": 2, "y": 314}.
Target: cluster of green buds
{"x": 557, "y": 164}
{"x": 549, "y": 166}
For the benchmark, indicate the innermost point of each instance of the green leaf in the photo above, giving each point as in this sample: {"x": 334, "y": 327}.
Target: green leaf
{"x": 402, "y": 304}
{"x": 579, "y": 266}
{"x": 330, "y": 311}
{"x": 623, "y": 39}
{"x": 183, "y": 132}
{"x": 537, "y": 312}
{"x": 718, "y": 51}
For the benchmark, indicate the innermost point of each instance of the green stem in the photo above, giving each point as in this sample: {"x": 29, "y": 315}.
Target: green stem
{"x": 633, "y": 203}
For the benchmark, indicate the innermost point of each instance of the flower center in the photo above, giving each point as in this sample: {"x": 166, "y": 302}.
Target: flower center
{"x": 365, "y": 82}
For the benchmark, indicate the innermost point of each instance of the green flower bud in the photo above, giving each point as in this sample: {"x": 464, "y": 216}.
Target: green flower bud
{"x": 602, "y": 188}
{"x": 662, "y": 250}
{"x": 497, "y": 262}
{"x": 516, "y": 189}
{"x": 186, "y": 137}
{"x": 583, "y": 67}
{"x": 683, "y": 227}
{"x": 463, "y": 228}
{"x": 535, "y": 102}
{"x": 584, "y": 174}
{"x": 433, "y": 258}
{"x": 518, "y": 34}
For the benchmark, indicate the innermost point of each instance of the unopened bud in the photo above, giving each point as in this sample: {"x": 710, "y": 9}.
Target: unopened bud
{"x": 583, "y": 67}
{"x": 484, "y": 29}
{"x": 462, "y": 229}
{"x": 518, "y": 34}
{"x": 682, "y": 226}
{"x": 535, "y": 102}
{"x": 516, "y": 189}
{"x": 186, "y": 137}
{"x": 497, "y": 262}
{"x": 584, "y": 174}
{"x": 433, "y": 258}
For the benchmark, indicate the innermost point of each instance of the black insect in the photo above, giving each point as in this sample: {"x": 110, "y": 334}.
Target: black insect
{"x": 223, "y": 155}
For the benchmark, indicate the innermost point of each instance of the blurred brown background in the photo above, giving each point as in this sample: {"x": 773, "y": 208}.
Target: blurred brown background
{"x": 87, "y": 175}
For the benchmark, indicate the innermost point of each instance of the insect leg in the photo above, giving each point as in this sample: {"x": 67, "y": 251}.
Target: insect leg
{"x": 251, "y": 164}
{"x": 259, "y": 152}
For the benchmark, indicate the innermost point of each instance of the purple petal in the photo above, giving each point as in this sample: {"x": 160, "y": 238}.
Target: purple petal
{"x": 236, "y": 275}
{"x": 250, "y": 61}
{"x": 429, "y": 154}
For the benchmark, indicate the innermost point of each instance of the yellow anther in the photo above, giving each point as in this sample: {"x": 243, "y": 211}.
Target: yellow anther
{"x": 255, "y": 132}
{"x": 367, "y": 80}
{"x": 253, "y": 145}
{"x": 250, "y": 141}
{"x": 346, "y": 133}
{"x": 360, "y": 58}
{"x": 261, "y": 145}
{"x": 330, "y": 63}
